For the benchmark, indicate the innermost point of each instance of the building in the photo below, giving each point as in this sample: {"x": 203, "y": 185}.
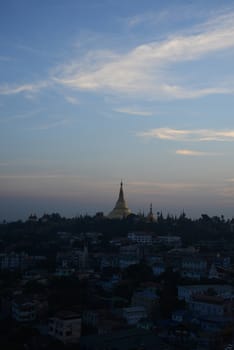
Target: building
{"x": 141, "y": 237}
{"x": 121, "y": 209}
{"x": 66, "y": 327}
{"x": 28, "y": 308}
{"x": 170, "y": 241}
{"x": 133, "y": 314}
{"x": 211, "y": 305}
{"x": 23, "y": 311}
{"x": 187, "y": 292}
{"x": 14, "y": 261}
{"x": 74, "y": 259}
{"x": 214, "y": 313}
{"x": 194, "y": 267}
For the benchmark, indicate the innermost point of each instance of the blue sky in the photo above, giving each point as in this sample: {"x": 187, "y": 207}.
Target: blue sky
{"x": 92, "y": 92}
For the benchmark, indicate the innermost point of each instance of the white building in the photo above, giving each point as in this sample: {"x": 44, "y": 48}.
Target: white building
{"x": 66, "y": 327}
{"x": 141, "y": 237}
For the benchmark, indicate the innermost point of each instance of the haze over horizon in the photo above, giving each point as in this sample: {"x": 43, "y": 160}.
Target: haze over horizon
{"x": 92, "y": 92}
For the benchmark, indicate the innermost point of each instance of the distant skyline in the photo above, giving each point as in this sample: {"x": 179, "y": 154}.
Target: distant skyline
{"x": 92, "y": 92}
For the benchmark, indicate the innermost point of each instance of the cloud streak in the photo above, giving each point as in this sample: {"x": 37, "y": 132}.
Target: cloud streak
{"x": 188, "y": 152}
{"x": 189, "y": 135}
{"x": 144, "y": 68}
{"x": 23, "y": 88}
{"x": 72, "y": 100}
{"x": 132, "y": 111}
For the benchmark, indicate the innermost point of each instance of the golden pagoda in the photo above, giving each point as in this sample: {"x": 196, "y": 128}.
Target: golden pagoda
{"x": 121, "y": 209}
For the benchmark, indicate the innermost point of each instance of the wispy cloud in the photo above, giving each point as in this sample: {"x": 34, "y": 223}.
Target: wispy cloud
{"x": 24, "y": 88}
{"x": 189, "y": 152}
{"x": 147, "y": 17}
{"x": 72, "y": 100}
{"x": 179, "y": 92}
{"x": 171, "y": 14}
{"x": 189, "y": 135}
{"x": 179, "y": 13}
{"x": 133, "y": 111}
{"x": 144, "y": 68}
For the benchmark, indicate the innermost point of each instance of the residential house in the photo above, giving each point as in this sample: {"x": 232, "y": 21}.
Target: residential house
{"x": 144, "y": 238}
{"x": 133, "y": 314}
{"x": 194, "y": 267}
{"x": 187, "y": 292}
{"x": 212, "y": 312}
{"x": 66, "y": 327}
{"x": 28, "y": 308}
{"x": 23, "y": 310}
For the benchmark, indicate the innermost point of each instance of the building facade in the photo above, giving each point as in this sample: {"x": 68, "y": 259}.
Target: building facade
{"x": 66, "y": 327}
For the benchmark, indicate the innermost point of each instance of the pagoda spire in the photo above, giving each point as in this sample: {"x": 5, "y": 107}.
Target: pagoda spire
{"x": 121, "y": 193}
{"x": 121, "y": 209}
{"x": 150, "y": 216}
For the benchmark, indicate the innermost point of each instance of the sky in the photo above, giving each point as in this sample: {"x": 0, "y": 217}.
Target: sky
{"x": 95, "y": 91}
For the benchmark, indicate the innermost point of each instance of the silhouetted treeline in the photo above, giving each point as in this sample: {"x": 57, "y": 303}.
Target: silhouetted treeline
{"x": 42, "y": 229}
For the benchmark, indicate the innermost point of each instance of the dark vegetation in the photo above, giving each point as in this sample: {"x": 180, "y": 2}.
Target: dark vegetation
{"x": 33, "y": 236}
